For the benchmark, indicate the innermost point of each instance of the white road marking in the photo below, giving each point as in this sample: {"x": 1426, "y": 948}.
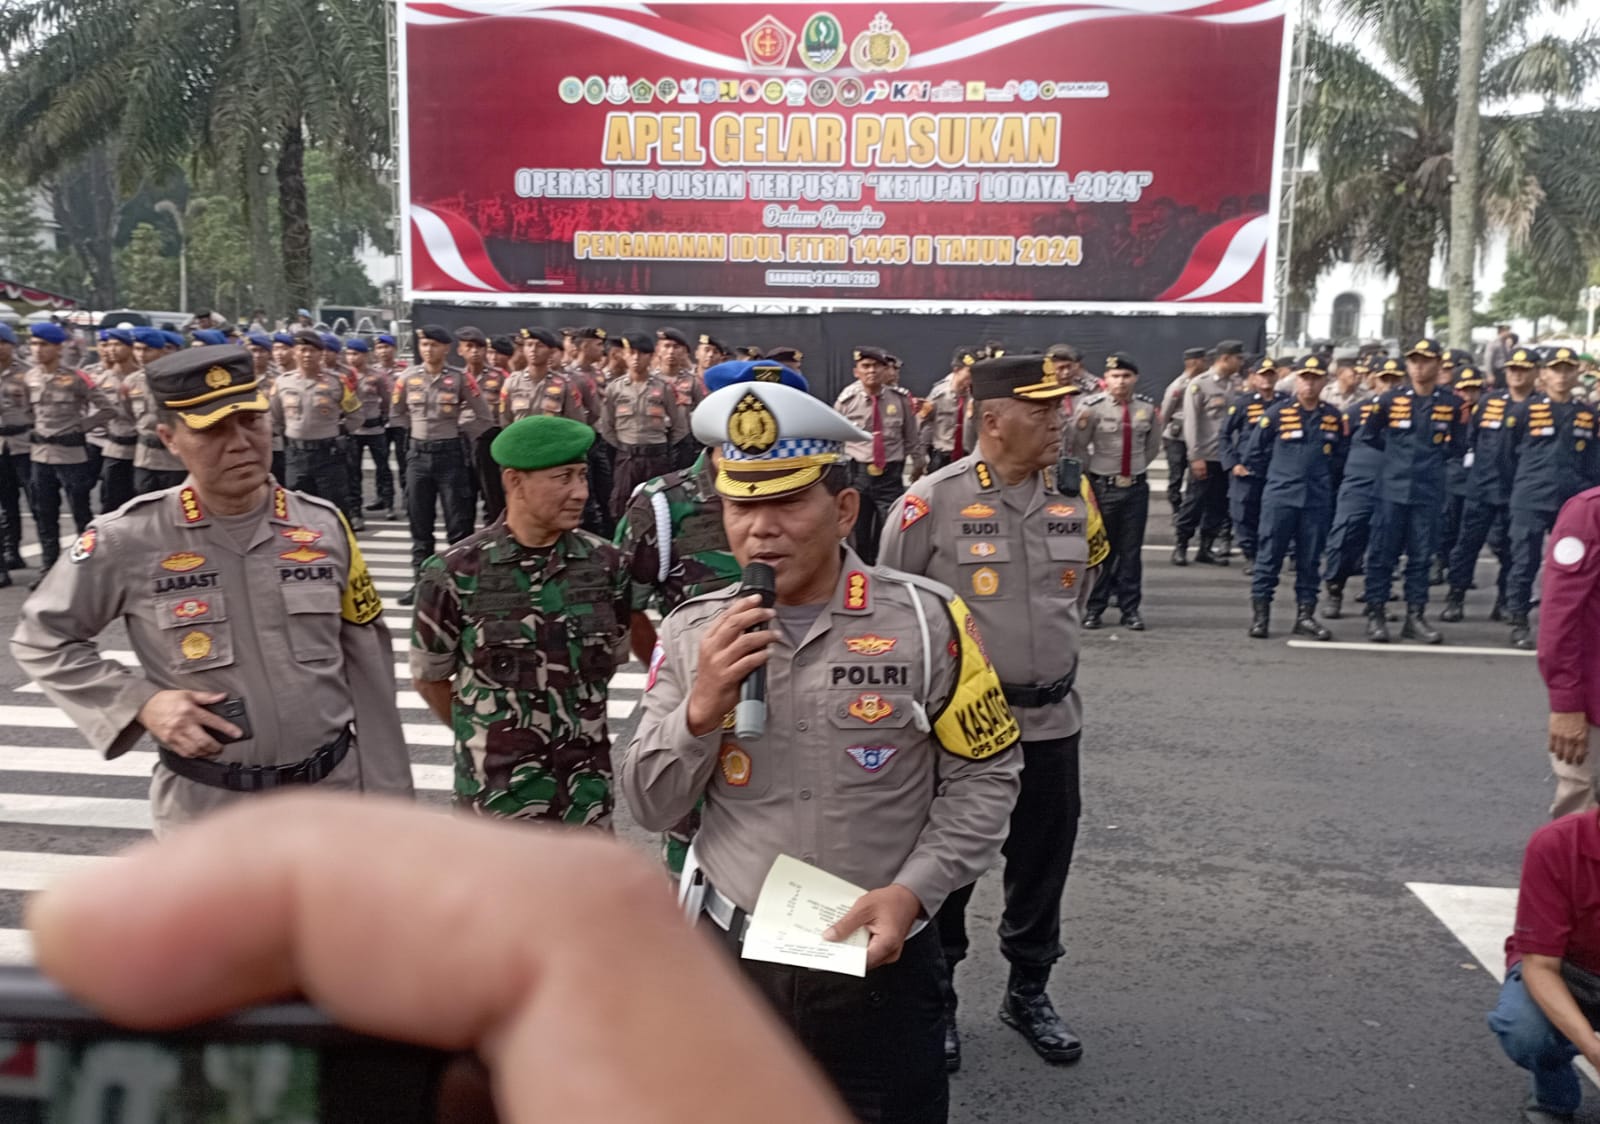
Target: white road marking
{"x": 1445, "y": 649}
{"x": 48, "y": 717}
{"x": 16, "y": 946}
{"x": 138, "y": 763}
{"x": 74, "y": 811}
{"x": 35, "y": 870}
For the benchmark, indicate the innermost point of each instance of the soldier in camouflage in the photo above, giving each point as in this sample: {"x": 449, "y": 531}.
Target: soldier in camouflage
{"x": 517, "y": 632}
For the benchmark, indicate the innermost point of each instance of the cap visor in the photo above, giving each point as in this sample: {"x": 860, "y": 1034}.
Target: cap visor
{"x": 1044, "y": 391}
{"x": 252, "y": 402}
{"x": 753, "y": 484}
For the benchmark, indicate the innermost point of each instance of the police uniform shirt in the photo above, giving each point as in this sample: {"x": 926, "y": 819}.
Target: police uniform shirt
{"x": 149, "y": 453}
{"x": 290, "y": 623}
{"x": 1021, "y": 557}
{"x": 642, "y": 413}
{"x": 845, "y": 777}
{"x": 16, "y": 414}
{"x": 940, "y": 418}
{"x": 312, "y": 407}
{"x": 121, "y": 432}
{"x": 372, "y": 392}
{"x": 1299, "y": 451}
{"x": 1172, "y": 408}
{"x": 898, "y": 421}
{"x": 555, "y": 394}
{"x": 1097, "y": 431}
{"x": 65, "y": 403}
{"x": 1205, "y": 412}
{"x": 430, "y": 404}
{"x": 590, "y": 381}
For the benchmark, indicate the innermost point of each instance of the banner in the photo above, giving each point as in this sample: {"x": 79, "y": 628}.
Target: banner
{"x": 1084, "y": 155}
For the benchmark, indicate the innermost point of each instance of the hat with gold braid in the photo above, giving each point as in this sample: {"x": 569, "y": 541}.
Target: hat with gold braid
{"x": 775, "y": 440}
{"x": 203, "y": 385}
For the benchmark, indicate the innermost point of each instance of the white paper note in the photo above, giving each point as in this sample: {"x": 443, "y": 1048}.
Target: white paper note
{"x": 797, "y": 903}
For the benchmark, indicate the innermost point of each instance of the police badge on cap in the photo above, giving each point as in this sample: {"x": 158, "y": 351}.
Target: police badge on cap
{"x": 203, "y": 385}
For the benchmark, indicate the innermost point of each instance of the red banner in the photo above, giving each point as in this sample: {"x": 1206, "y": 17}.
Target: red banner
{"x": 1077, "y": 154}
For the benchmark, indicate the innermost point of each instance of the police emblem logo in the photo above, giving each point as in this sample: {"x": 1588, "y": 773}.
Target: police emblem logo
{"x": 303, "y": 554}
{"x": 83, "y": 548}
{"x": 217, "y": 378}
{"x": 195, "y": 645}
{"x": 880, "y": 47}
{"x": 751, "y": 427}
{"x": 983, "y": 549}
{"x": 870, "y": 708}
{"x": 977, "y": 511}
{"x": 915, "y": 508}
{"x": 985, "y": 582}
{"x": 734, "y": 763}
{"x": 1061, "y": 510}
{"x": 189, "y": 608}
{"x": 870, "y": 644}
{"x": 183, "y": 561}
{"x": 872, "y": 758}
{"x": 1069, "y": 578}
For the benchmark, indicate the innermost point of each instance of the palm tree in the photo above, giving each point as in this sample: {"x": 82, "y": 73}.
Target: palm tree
{"x": 1382, "y": 132}
{"x": 240, "y": 85}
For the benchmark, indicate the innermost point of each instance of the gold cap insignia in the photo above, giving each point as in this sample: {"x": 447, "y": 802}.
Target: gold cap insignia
{"x": 217, "y": 378}
{"x": 751, "y": 427}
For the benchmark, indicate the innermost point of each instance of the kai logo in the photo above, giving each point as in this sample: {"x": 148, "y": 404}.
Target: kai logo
{"x": 871, "y": 644}
{"x": 870, "y": 708}
{"x": 767, "y": 43}
{"x": 880, "y": 47}
{"x": 822, "y": 42}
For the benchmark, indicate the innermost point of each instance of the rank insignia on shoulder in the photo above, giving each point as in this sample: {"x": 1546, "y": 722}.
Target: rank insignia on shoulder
{"x": 855, "y": 591}
{"x": 871, "y": 757}
{"x": 915, "y": 508}
{"x": 985, "y": 477}
{"x": 189, "y": 503}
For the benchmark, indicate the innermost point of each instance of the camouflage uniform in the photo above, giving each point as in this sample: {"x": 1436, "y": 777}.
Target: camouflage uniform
{"x": 531, "y": 639}
{"x": 698, "y": 561}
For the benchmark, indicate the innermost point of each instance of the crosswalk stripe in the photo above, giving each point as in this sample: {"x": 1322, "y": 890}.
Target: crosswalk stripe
{"x": 48, "y": 717}
{"x": 1415, "y": 649}
{"x": 16, "y": 946}
{"x": 34, "y": 870}
{"x": 621, "y": 681}
{"x": 75, "y": 761}
{"x": 74, "y": 811}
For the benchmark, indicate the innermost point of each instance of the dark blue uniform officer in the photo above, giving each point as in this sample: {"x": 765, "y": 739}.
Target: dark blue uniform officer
{"x": 1486, "y": 515}
{"x": 1423, "y": 425}
{"x": 1467, "y": 381}
{"x": 1244, "y": 485}
{"x": 1358, "y": 489}
{"x": 1296, "y": 450}
{"x": 1553, "y": 442}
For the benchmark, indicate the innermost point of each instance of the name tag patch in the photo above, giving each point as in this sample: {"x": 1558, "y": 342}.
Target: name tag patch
{"x": 871, "y": 675}
{"x": 180, "y": 582}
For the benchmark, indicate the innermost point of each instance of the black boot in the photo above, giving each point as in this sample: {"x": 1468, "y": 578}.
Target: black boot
{"x": 1306, "y": 623}
{"x": 1260, "y": 615}
{"x": 1498, "y": 613}
{"x": 409, "y": 597}
{"x": 1436, "y": 572}
{"x": 1377, "y": 624}
{"x": 1418, "y": 628}
{"x": 1180, "y": 553}
{"x": 1205, "y": 556}
{"x": 1521, "y": 633}
{"x": 1091, "y": 620}
{"x": 1454, "y": 606}
{"x": 1027, "y": 1009}
{"x": 1334, "y": 609}
{"x": 1225, "y": 545}
{"x": 378, "y": 505}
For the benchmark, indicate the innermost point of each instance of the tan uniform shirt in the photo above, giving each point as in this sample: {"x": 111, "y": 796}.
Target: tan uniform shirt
{"x": 843, "y": 778}
{"x": 16, "y": 414}
{"x": 591, "y": 383}
{"x": 1172, "y": 408}
{"x": 491, "y": 382}
{"x": 642, "y": 413}
{"x": 686, "y": 387}
{"x": 943, "y": 411}
{"x": 433, "y": 405}
{"x": 1022, "y": 557}
{"x": 1096, "y": 434}
{"x": 555, "y": 394}
{"x": 65, "y": 405}
{"x": 895, "y": 412}
{"x": 121, "y": 434}
{"x": 372, "y": 391}
{"x": 1205, "y": 409}
{"x": 149, "y": 453}
{"x": 292, "y": 625}
{"x": 312, "y": 408}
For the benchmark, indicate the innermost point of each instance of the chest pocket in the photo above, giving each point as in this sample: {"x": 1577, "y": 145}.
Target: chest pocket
{"x": 1071, "y": 553}
{"x": 291, "y": 401}
{"x": 313, "y": 621}
{"x": 982, "y": 551}
{"x": 194, "y": 630}
{"x": 520, "y": 403}
{"x": 325, "y": 402}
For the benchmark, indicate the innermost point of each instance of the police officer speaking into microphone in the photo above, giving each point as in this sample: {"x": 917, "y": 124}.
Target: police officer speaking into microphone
{"x": 884, "y": 758}
{"x": 264, "y": 661}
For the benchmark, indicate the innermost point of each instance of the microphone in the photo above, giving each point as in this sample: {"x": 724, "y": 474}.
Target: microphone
{"x": 750, "y": 716}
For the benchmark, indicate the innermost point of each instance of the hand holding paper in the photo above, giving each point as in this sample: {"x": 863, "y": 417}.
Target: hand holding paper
{"x": 798, "y": 903}
{"x": 887, "y": 914}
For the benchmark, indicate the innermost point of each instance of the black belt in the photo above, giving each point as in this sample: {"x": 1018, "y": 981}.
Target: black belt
{"x": 14, "y": 430}
{"x": 150, "y": 442}
{"x": 1116, "y": 479}
{"x": 371, "y": 423}
{"x": 890, "y": 468}
{"x": 1029, "y": 696}
{"x": 441, "y": 444}
{"x": 300, "y": 443}
{"x": 71, "y": 440}
{"x": 260, "y": 778}
{"x": 128, "y": 440}
{"x": 661, "y": 450}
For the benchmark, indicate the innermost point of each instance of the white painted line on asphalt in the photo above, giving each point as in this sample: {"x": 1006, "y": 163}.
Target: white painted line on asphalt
{"x": 1423, "y": 649}
{"x": 621, "y": 681}
{"x": 35, "y": 870}
{"x": 139, "y": 763}
{"x": 16, "y": 946}
{"x": 74, "y": 811}
{"x": 49, "y": 718}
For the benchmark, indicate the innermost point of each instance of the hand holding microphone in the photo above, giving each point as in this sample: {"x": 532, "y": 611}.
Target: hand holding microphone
{"x": 733, "y": 651}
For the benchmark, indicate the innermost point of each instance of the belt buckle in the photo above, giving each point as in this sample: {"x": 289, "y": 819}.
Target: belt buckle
{"x": 1124, "y": 481}
{"x": 874, "y": 470}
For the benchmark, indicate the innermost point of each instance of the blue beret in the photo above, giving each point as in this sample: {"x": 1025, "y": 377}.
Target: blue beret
{"x": 259, "y": 339}
{"x": 356, "y": 343}
{"x": 171, "y": 339}
{"x": 150, "y": 337}
{"x": 121, "y": 335}
{"x": 331, "y": 342}
{"x": 49, "y": 333}
{"x": 542, "y": 441}
{"x": 284, "y": 338}
{"x": 210, "y": 337}
{"x": 754, "y": 370}
{"x": 7, "y": 335}
{"x": 383, "y": 337}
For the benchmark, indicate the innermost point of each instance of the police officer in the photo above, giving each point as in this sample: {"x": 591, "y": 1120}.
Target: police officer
{"x": 155, "y": 467}
{"x": 642, "y": 420}
{"x": 1491, "y": 471}
{"x": 791, "y": 357}
{"x": 384, "y": 362}
{"x": 1552, "y": 441}
{"x": 883, "y": 759}
{"x": 1422, "y": 426}
{"x": 587, "y": 370}
{"x": 1118, "y": 433}
{"x": 311, "y": 402}
{"x": 1244, "y": 487}
{"x": 234, "y": 591}
{"x": 1295, "y": 449}
{"x": 1205, "y": 410}
{"x": 674, "y": 363}
{"x": 16, "y": 423}
{"x": 283, "y": 352}
{"x": 1467, "y": 381}
{"x": 473, "y": 347}
{"x": 1070, "y": 369}
{"x": 431, "y": 398}
{"x": 518, "y": 629}
{"x": 709, "y": 352}
{"x": 121, "y": 434}
{"x": 884, "y": 413}
{"x": 997, "y": 527}
{"x": 369, "y": 433}
{"x": 11, "y": 361}
{"x": 491, "y": 382}
{"x": 66, "y": 405}
{"x": 1194, "y": 361}
{"x": 946, "y": 425}
{"x": 1358, "y": 488}
{"x": 540, "y": 388}
{"x": 263, "y": 349}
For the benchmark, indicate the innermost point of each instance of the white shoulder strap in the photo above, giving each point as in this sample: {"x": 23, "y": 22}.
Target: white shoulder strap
{"x": 663, "y": 535}
{"x": 919, "y": 712}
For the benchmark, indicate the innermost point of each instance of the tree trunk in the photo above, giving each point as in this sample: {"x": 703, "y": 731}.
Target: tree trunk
{"x": 292, "y": 216}
{"x": 1416, "y": 260}
{"x": 1464, "y": 165}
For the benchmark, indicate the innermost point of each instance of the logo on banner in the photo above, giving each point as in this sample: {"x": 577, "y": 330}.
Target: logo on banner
{"x": 767, "y": 44}
{"x": 689, "y": 91}
{"x": 708, "y": 90}
{"x": 822, "y": 42}
{"x": 880, "y": 47}
{"x": 772, "y": 91}
{"x": 594, "y": 90}
{"x": 1028, "y": 90}
{"x": 667, "y": 89}
{"x": 642, "y": 92}
{"x": 749, "y": 91}
{"x": 794, "y": 91}
{"x": 822, "y": 91}
{"x": 976, "y": 91}
{"x": 1047, "y": 90}
{"x": 948, "y": 90}
{"x": 617, "y": 89}
{"x": 571, "y": 90}
{"x": 851, "y": 91}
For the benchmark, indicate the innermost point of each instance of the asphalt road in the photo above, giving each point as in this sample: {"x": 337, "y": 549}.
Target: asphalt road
{"x": 1241, "y": 942}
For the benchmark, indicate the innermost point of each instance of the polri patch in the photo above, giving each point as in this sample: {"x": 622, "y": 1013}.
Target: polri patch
{"x": 83, "y": 549}
{"x": 872, "y": 758}
{"x": 915, "y": 508}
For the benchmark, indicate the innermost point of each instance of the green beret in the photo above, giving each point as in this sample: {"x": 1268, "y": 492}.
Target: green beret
{"x": 541, "y": 442}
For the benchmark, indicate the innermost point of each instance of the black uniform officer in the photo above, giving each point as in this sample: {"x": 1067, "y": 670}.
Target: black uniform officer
{"x": 1466, "y": 381}
{"x": 1296, "y": 450}
{"x": 1486, "y": 514}
{"x": 1358, "y": 489}
{"x": 1423, "y": 425}
{"x": 1552, "y": 440}
{"x": 1244, "y": 486}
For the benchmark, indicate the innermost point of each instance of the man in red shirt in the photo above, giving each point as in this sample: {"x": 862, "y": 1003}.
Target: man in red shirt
{"x": 1569, "y": 647}
{"x": 1550, "y": 1002}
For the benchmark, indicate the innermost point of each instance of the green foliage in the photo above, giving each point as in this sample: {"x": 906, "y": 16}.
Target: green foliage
{"x": 1527, "y": 294}
{"x": 149, "y": 276}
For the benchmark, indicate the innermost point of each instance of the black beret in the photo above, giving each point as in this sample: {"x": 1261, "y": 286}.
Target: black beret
{"x": 1117, "y": 361}
{"x": 876, "y": 354}
{"x": 672, "y": 335}
{"x": 503, "y": 345}
{"x": 1194, "y": 353}
{"x": 432, "y": 332}
{"x": 569, "y": 333}
{"x": 469, "y": 334}
{"x": 708, "y": 340}
{"x": 1064, "y": 351}
{"x": 964, "y": 356}
{"x": 586, "y": 333}
{"x": 748, "y": 351}
{"x": 638, "y": 341}
{"x": 1229, "y": 347}
{"x": 305, "y": 337}
{"x": 543, "y": 335}
{"x": 1031, "y": 377}
{"x": 206, "y": 384}
{"x": 785, "y": 355}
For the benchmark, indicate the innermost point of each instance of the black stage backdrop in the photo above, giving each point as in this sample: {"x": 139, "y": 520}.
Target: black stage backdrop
{"x": 924, "y": 342}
